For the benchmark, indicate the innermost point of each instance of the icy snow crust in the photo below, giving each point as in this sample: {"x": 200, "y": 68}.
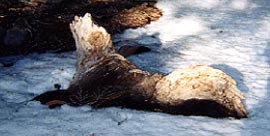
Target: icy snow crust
{"x": 231, "y": 35}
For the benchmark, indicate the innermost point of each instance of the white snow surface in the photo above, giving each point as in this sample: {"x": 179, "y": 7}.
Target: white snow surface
{"x": 231, "y": 35}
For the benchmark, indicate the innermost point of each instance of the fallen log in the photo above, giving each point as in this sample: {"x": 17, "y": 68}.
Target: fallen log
{"x": 105, "y": 78}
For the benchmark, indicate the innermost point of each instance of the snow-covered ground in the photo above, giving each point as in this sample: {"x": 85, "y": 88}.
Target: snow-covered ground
{"x": 231, "y": 35}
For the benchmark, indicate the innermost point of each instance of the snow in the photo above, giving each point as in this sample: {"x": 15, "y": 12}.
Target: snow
{"x": 231, "y": 35}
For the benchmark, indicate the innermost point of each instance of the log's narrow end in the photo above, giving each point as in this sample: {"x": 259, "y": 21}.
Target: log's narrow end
{"x": 92, "y": 42}
{"x": 89, "y": 36}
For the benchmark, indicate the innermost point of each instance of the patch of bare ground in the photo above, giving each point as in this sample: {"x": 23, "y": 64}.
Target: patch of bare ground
{"x": 43, "y": 25}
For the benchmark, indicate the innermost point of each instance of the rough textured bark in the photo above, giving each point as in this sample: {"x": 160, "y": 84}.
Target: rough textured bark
{"x": 105, "y": 78}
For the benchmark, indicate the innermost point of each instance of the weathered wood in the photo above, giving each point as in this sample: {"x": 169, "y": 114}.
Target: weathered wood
{"x": 104, "y": 78}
